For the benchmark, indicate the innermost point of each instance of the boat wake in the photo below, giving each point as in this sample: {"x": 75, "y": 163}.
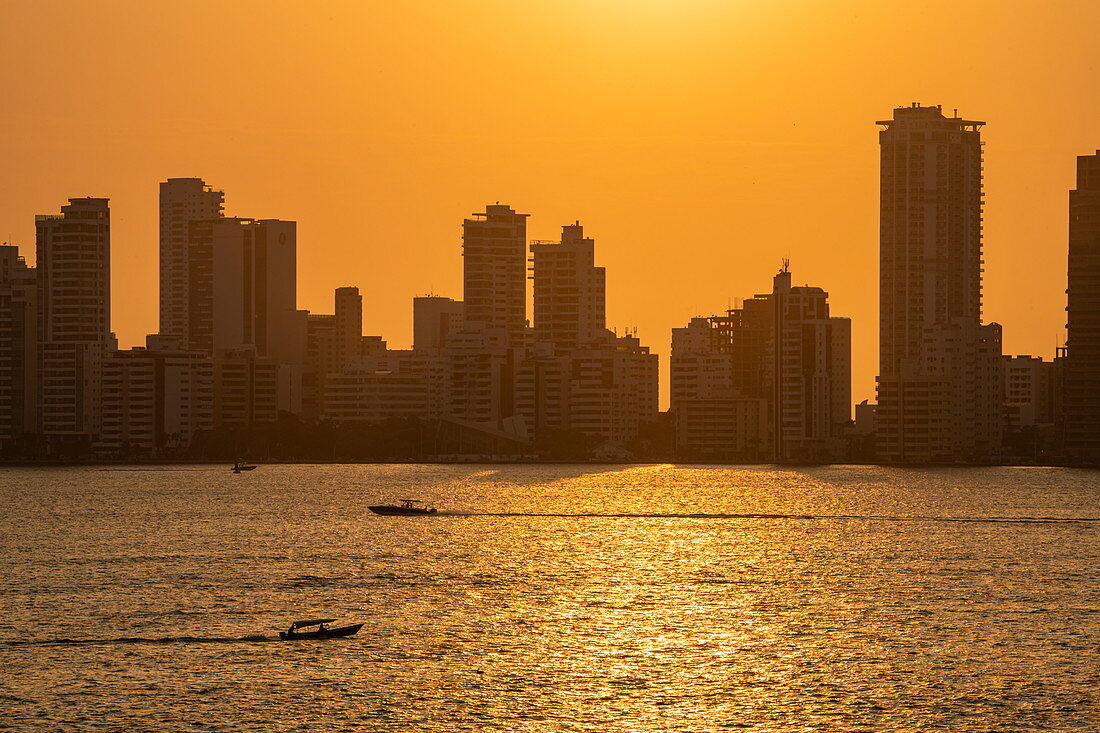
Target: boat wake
{"x": 859, "y": 517}
{"x": 254, "y": 638}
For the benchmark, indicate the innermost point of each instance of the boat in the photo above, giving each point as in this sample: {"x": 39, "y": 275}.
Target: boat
{"x": 321, "y": 632}
{"x": 239, "y": 466}
{"x": 407, "y": 507}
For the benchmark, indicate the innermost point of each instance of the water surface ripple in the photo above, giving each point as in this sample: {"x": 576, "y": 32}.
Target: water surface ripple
{"x": 551, "y": 598}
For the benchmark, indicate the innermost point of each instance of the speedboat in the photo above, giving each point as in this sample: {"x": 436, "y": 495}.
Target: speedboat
{"x": 240, "y": 466}
{"x": 321, "y": 632}
{"x": 407, "y": 507}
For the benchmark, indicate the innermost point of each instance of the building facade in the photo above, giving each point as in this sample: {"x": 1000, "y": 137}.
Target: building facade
{"x": 155, "y": 399}
{"x": 73, "y": 267}
{"x": 569, "y": 290}
{"x": 1081, "y": 437}
{"x": 435, "y": 318}
{"x": 18, "y": 347}
{"x": 930, "y": 294}
{"x": 769, "y": 380}
{"x": 494, "y": 272}
{"x": 182, "y": 200}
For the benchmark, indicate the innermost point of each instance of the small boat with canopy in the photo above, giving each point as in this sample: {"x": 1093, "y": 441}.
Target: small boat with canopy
{"x": 407, "y": 507}
{"x": 304, "y": 630}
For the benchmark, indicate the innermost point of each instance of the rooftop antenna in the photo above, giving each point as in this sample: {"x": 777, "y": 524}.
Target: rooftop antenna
{"x": 786, "y": 264}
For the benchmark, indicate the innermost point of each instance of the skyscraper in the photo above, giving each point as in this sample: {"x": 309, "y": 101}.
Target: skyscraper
{"x": 434, "y": 319}
{"x": 243, "y": 288}
{"x": 569, "y": 291}
{"x": 934, "y": 402}
{"x": 1082, "y": 363}
{"x": 494, "y": 264}
{"x": 182, "y": 200}
{"x": 18, "y": 346}
{"x": 771, "y": 379}
{"x": 349, "y": 324}
{"x": 74, "y": 316}
{"x": 811, "y": 365}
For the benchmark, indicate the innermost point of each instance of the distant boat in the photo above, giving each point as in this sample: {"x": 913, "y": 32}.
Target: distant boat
{"x": 239, "y": 466}
{"x": 407, "y": 507}
{"x": 321, "y": 632}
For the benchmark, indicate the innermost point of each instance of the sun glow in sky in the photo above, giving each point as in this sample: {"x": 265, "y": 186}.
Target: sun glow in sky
{"x": 699, "y": 142}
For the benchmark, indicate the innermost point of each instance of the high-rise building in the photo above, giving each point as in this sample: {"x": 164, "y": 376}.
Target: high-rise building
{"x": 434, "y": 319}
{"x": 246, "y": 389}
{"x": 182, "y": 200}
{"x": 243, "y": 282}
{"x": 1029, "y": 386}
{"x": 770, "y": 379}
{"x": 333, "y": 342}
{"x": 18, "y": 347}
{"x": 494, "y": 264}
{"x": 349, "y": 324}
{"x": 811, "y": 372}
{"x": 1081, "y": 437}
{"x": 74, "y": 316}
{"x": 931, "y": 293}
{"x": 569, "y": 290}
{"x": 155, "y": 399}
{"x": 606, "y": 390}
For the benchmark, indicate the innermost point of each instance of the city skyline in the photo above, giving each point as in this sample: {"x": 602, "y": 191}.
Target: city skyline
{"x": 735, "y": 132}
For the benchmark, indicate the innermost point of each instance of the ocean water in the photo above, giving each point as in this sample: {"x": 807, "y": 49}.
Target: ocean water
{"x": 551, "y": 598}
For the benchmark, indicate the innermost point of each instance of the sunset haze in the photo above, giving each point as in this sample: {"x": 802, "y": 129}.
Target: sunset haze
{"x": 699, "y": 142}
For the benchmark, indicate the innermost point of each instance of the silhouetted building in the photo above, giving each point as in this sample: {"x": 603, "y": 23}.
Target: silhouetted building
{"x": 768, "y": 380}
{"x": 812, "y": 373}
{"x": 944, "y": 407}
{"x": 18, "y": 347}
{"x": 1081, "y": 439}
{"x": 378, "y": 387}
{"x": 569, "y": 290}
{"x": 348, "y": 305}
{"x": 244, "y": 288}
{"x": 321, "y": 360}
{"x": 606, "y": 390}
{"x": 716, "y": 417}
{"x": 332, "y": 343}
{"x": 154, "y": 399}
{"x": 435, "y": 318}
{"x": 576, "y": 376}
{"x": 73, "y": 265}
{"x": 1029, "y": 386}
{"x": 243, "y": 279}
{"x": 494, "y": 263}
{"x": 182, "y": 200}
{"x": 865, "y": 418}
{"x": 480, "y": 375}
{"x": 246, "y": 389}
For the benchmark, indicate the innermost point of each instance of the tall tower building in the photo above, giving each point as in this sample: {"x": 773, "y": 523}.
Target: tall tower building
{"x": 771, "y": 379}
{"x": 74, "y": 315}
{"x": 435, "y": 318}
{"x": 930, "y": 294}
{"x": 181, "y": 200}
{"x": 569, "y": 290}
{"x": 243, "y": 288}
{"x": 811, "y": 365}
{"x": 349, "y": 324}
{"x": 494, "y": 252}
{"x": 18, "y": 346}
{"x": 1082, "y": 363}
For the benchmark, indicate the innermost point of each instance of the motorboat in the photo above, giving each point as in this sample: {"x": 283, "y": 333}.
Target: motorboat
{"x": 321, "y": 632}
{"x": 407, "y": 507}
{"x": 240, "y": 466}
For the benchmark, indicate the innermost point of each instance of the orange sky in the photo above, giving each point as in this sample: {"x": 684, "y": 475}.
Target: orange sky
{"x": 698, "y": 141}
